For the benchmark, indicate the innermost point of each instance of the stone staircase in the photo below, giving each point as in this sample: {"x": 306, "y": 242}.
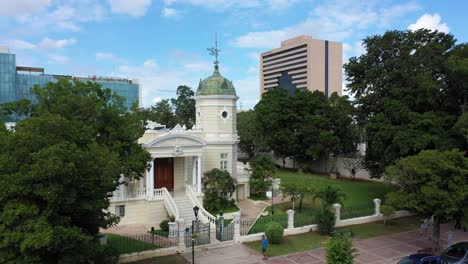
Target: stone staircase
{"x": 185, "y": 206}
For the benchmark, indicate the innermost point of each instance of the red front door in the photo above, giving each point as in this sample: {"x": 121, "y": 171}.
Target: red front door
{"x": 164, "y": 173}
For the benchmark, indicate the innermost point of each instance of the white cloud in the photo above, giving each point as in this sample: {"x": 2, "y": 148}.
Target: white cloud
{"x": 334, "y": 20}
{"x": 17, "y": 8}
{"x": 134, "y": 8}
{"x": 57, "y": 58}
{"x": 432, "y": 22}
{"x": 16, "y": 44}
{"x": 48, "y": 43}
{"x": 104, "y": 56}
{"x": 252, "y": 70}
{"x": 157, "y": 99}
{"x": 169, "y": 12}
{"x": 281, "y": 4}
{"x": 217, "y": 5}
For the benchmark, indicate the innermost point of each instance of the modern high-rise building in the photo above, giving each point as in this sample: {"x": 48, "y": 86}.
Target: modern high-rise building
{"x": 16, "y": 81}
{"x": 303, "y": 62}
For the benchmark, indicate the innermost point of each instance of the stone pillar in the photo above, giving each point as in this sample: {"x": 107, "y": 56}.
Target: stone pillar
{"x": 150, "y": 187}
{"x": 185, "y": 170}
{"x": 181, "y": 233}
{"x": 194, "y": 174}
{"x": 377, "y": 206}
{"x": 290, "y": 218}
{"x": 122, "y": 187}
{"x": 236, "y": 220}
{"x": 172, "y": 229}
{"x": 337, "y": 211}
{"x": 199, "y": 174}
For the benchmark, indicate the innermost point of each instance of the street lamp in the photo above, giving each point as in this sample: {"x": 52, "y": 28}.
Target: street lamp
{"x": 195, "y": 211}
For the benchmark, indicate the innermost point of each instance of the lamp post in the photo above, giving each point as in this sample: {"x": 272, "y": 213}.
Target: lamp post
{"x": 195, "y": 211}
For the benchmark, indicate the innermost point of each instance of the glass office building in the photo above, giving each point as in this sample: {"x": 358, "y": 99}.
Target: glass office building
{"x": 16, "y": 81}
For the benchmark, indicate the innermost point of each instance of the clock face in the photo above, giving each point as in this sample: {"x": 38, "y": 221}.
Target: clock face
{"x": 224, "y": 114}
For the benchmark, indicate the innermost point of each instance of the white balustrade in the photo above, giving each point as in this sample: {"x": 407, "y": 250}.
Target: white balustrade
{"x": 136, "y": 194}
{"x": 205, "y": 215}
{"x": 169, "y": 203}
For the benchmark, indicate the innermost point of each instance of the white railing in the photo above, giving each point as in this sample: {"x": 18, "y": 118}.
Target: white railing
{"x": 169, "y": 203}
{"x": 136, "y": 194}
{"x": 205, "y": 215}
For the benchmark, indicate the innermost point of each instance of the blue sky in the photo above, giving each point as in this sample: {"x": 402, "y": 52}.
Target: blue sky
{"x": 163, "y": 42}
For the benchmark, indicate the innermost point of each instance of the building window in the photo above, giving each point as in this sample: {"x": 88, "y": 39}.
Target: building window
{"x": 223, "y": 162}
{"x": 120, "y": 210}
{"x": 224, "y": 114}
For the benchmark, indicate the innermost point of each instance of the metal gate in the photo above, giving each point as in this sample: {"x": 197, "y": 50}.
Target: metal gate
{"x": 199, "y": 232}
{"x": 224, "y": 233}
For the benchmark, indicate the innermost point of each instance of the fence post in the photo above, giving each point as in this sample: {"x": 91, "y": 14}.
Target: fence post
{"x": 290, "y": 218}
{"x": 377, "y": 206}
{"x": 181, "y": 230}
{"x": 236, "y": 220}
{"x": 172, "y": 229}
{"x": 337, "y": 211}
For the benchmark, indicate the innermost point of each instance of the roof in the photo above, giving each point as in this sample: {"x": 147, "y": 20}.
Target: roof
{"x": 216, "y": 85}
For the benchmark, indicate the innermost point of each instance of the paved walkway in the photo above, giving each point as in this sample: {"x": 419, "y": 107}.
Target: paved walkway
{"x": 379, "y": 250}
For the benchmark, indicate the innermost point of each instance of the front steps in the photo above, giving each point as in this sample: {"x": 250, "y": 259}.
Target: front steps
{"x": 185, "y": 206}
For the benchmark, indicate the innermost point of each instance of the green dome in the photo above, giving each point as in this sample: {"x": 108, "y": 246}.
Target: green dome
{"x": 216, "y": 84}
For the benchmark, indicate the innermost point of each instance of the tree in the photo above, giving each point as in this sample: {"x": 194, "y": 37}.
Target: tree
{"x": 306, "y": 126}
{"x": 219, "y": 187}
{"x": 353, "y": 163}
{"x": 250, "y": 139}
{"x": 331, "y": 195}
{"x": 298, "y": 190}
{"x": 184, "y": 106}
{"x": 432, "y": 183}
{"x": 57, "y": 169}
{"x": 162, "y": 113}
{"x": 274, "y": 118}
{"x": 262, "y": 172}
{"x": 340, "y": 249}
{"x": 387, "y": 211}
{"x": 410, "y": 87}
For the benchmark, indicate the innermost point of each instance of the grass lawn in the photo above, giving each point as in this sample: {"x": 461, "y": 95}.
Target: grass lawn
{"x": 126, "y": 245}
{"x": 306, "y": 241}
{"x": 358, "y": 202}
{"x": 172, "y": 259}
{"x": 359, "y": 194}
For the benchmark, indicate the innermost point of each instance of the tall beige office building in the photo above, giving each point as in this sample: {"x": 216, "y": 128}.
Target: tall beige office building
{"x": 303, "y": 63}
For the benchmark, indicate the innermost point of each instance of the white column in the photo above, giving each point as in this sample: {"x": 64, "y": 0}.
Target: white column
{"x": 337, "y": 211}
{"x": 194, "y": 174}
{"x": 185, "y": 170}
{"x": 377, "y": 206}
{"x": 181, "y": 233}
{"x": 122, "y": 187}
{"x": 236, "y": 216}
{"x": 199, "y": 174}
{"x": 150, "y": 187}
{"x": 290, "y": 218}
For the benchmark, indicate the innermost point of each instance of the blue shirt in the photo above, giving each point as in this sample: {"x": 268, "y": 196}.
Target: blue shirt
{"x": 264, "y": 243}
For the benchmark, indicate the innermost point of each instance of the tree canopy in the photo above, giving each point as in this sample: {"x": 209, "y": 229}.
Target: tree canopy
{"x": 251, "y": 140}
{"x": 432, "y": 183}
{"x": 409, "y": 87}
{"x": 307, "y": 126}
{"x": 57, "y": 169}
{"x": 263, "y": 170}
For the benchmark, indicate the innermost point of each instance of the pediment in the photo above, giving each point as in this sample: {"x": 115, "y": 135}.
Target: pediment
{"x": 176, "y": 140}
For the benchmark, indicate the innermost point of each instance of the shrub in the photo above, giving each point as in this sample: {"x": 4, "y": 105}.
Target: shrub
{"x": 274, "y": 232}
{"x": 340, "y": 249}
{"x": 387, "y": 211}
{"x": 164, "y": 225}
{"x": 325, "y": 221}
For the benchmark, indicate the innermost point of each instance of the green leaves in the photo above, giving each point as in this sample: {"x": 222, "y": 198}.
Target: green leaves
{"x": 57, "y": 169}
{"x": 219, "y": 186}
{"x": 262, "y": 171}
{"x": 340, "y": 249}
{"x": 307, "y": 126}
{"x": 410, "y": 87}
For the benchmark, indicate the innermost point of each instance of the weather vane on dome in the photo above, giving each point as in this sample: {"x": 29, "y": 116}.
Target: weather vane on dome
{"x": 215, "y": 51}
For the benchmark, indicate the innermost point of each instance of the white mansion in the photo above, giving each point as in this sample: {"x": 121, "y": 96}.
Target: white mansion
{"x": 180, "y": 157}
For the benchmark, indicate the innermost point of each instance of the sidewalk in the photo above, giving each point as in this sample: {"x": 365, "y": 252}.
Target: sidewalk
{"x": 379, "y": 250}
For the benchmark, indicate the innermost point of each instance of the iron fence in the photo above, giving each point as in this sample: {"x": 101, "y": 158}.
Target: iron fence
{"x": 126, "y": 244}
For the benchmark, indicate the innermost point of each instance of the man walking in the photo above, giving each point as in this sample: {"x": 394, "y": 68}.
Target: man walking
{"x": 264, "y": 247}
